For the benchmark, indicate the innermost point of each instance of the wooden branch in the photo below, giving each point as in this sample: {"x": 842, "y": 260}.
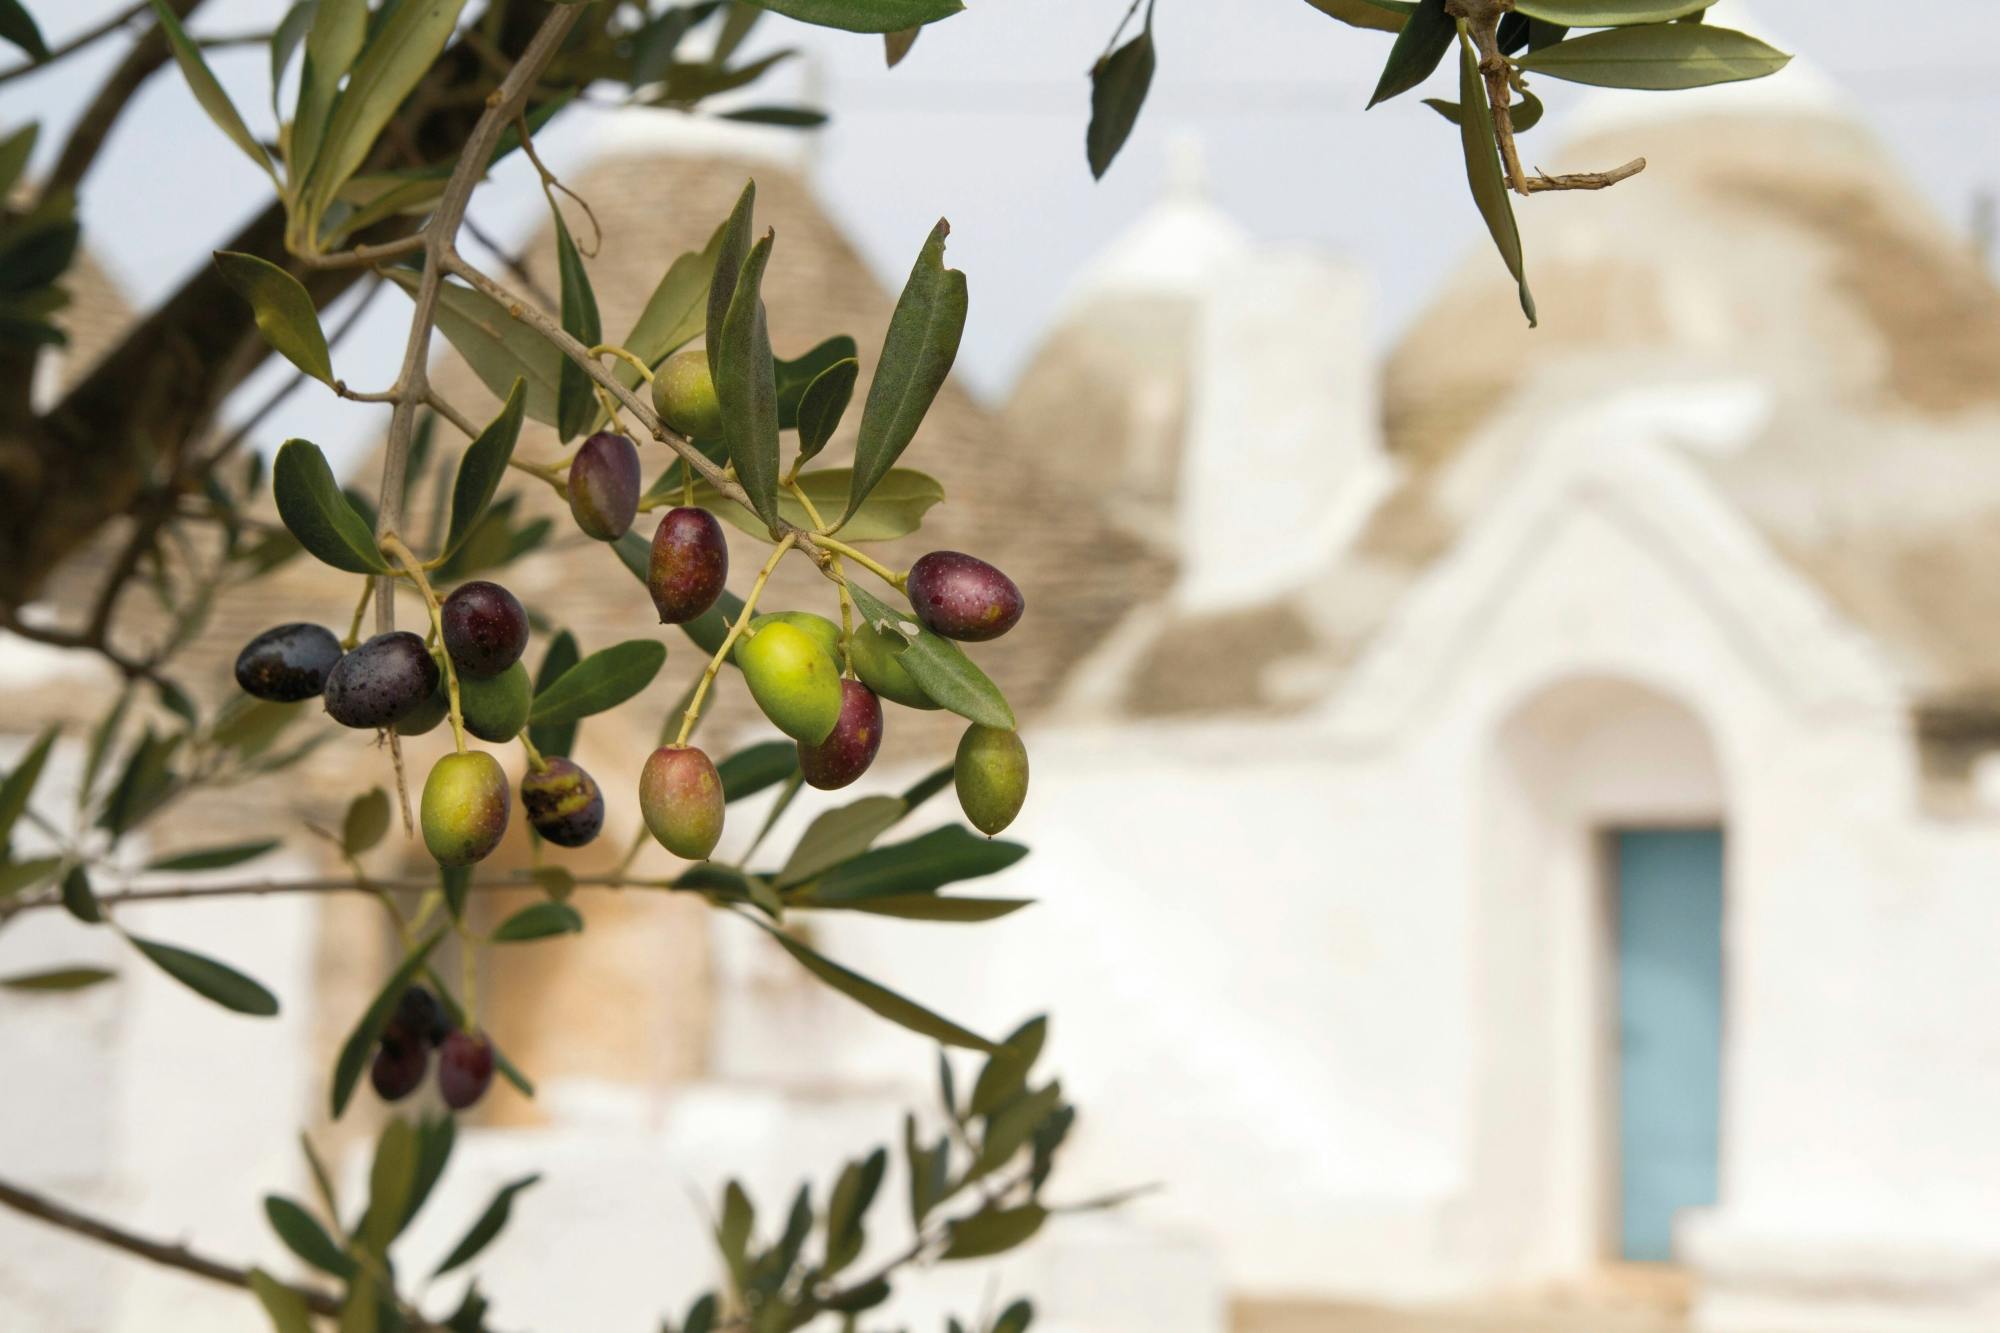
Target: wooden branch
{"x": 1584, "y": 180}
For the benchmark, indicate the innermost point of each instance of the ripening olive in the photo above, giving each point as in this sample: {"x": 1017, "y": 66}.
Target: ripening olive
{"x": 684, "y": 395}
{"x": 991, "y": 774}
{"x": 878, "y": 663}
{"x": 604, "y": 485}
{"x": 465, "y": 1068}
{"x": 963, "y": 598}
{"x": 465, "y": 808}
{"x": 845, "y": 755}
{"x": 287, "y": 663}
{"x": 563, "y": 802}
{"x": 680, "y": 796}
{"x": 381, "y": 682}
{"x": 690, "y": 564}
{"x": 823, "y": 631}
{"x": 496, "y": 708}
{"x": 399, "y": 1066}
{"x": 793, "y": 680}
{"x": 485, "y": 629}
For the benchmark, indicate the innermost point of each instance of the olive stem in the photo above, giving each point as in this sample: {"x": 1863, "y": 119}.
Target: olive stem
{"x": 879, "y": 570}
{"x": 360, "y": 609}
{"x": 693, "y": 712}
{"x": 839, "y": 574}
{"x": 631, "y": 359}
{"x": 393, "y": 545}
{"x": 535, "y": 760}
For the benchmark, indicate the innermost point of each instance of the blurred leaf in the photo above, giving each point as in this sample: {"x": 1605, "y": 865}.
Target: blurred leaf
{"x": 1657, "y": 56}
{"x": 924, "y": 907}
{"x": 209, "y": 979}
{"x": 864, "y": 15}
{"x": 939, "y": 666}
{"x": 390, "y": 1178}
{"x": 877, "y": 998}
{"x": 921, "y": 865}
{"x": 576, "y": 403}
{"x": 538, "y": 921}
{"x": 929, "y": 785}
{"x": 994, "y": 1231}
{"x": 499, "y": 348}
{"x": 746, "y": 386}
{"x": 1118, "y": 84}
{"x": 57, "y": 979}
{"x": 562, "y": 654}
{"x": 555, "y": 881}
{"x": 20, "y": 876}
{"x": 785, "y": 117}
{"x": 18, "y": 147}
{"x": 1525, "y": 114}
{"x": 285, "y": 1306}
{"x": 751, "y": 770}
{"x": 600, "y": 681}
{"x": 19, "y": 785}
{"x": 928, "y": 1169}
{"x": 916, "y": 358}
{"x": 1015, "y": 1318}
{"x": 482, "y": 467}
{"x": 1008, "y": 1128}
{"x": 146, "y": 780}
{"x": 853, "y": 1193}
{"x": 360, "y": 1044}
{"x": 285, "y": 314}
{"x": 1484, "y": 174}
{"x": 206, "y": 90}
{"x": 436, "y": 1136}
{"x": 732, "y": 1232}
{"x": 838, "y": 834}
{"x": 339, "y": 27}
{"x": 895, "y": 508}
{"x": 1382, "y": 15}
{"x": 79, "y": 899}
{"x": 215, "y": 858}
{"x": 1006, "y": 1071}
{"x": 896, "y": 45}
{"x": 317, "y": 513}
{"x": 822, "y": 405}
{"x": 1608, "y": 13}
{"x": 1425, "y": 37}
{"x": 305, "y": 1237}
{"x": 367, "y": 822}
{"x": 18, "y": 26}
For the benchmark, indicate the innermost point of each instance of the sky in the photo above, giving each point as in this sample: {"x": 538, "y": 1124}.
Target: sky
{"x": 983, "y": 123}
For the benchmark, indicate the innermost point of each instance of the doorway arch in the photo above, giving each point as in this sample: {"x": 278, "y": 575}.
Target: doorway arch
{"x": 1569, "y": 768}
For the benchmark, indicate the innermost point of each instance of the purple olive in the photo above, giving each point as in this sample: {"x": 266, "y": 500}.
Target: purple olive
{"x": 381, "y": 682}
{"x": 563, "y": 803}
{"x": 420, "y": 1017}
{"x": 485, "y": 628}
{"x": 399, "y": 1066}
{"x": 963, "y": 598}
{"x": 848, "y": 750}
{"x": 690, "y": 564}
{"x": 604, "y": 485}
{"x": 465, "y": 1068}
{"x": 288, "y": 663}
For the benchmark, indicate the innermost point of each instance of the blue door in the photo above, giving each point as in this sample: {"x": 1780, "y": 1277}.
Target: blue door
{"x": 1669, "y": 906}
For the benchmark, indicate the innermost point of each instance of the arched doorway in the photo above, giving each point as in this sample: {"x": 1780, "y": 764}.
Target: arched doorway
{"x": 1597, "y": 948}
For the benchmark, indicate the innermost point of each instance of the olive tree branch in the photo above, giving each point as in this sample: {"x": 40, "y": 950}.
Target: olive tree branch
{"x": 275, "y": 888}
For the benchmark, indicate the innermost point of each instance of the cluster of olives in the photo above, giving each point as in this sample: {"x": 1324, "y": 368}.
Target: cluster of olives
{"x": 403, "y": 1055}
{"x": 396, "y": 680}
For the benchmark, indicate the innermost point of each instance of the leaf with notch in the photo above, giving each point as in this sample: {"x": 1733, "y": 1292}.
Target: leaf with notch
{"x": 481, "y": 469}
{"x": 1425, "y": 37}
{"x": 576, "y": 403}
{"x": 600, "y": 681}
{"x": 875, "y": 997}
{"x": 822, "y": 405}
{"x": 209, "y": 979}
{"x": 746, "y": 386}
{"x": 285, "y": 314}
{"x": 310, "y": 503}
{"x": 1118, "y": 84}
{"x": 206, "y": 90}
{"x": 1483, "y": 172}
{"x": 360, "y": 1044}
{"x": 939, "y": 666}
{"x": 917, "y": 353}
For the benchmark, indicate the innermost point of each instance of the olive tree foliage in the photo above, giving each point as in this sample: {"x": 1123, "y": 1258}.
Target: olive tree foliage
{"x": 382, "y": 123}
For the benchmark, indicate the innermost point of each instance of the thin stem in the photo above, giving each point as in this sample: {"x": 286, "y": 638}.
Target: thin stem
{"x": 393, "y": 545}
{"x": 879, "y": 570}
{"x": 535, "y": 760}
{"x": 366, "y": 256}
{"x": 360, "y": 609}
{"x": 693, "y": 713}
{"x": 630, "y": 358}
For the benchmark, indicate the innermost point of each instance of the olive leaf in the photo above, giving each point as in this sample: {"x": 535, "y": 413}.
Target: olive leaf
{"x": 751, "y": 770}
{"x": 599, "y": 682}
{"x": 1526, "y": 114}
{"x": 864, "y": 15}
{"x": 732, "y": 247}
{"x": 838, "y": 834}
{"x": 366, "y": 823}
{"x": 921, "y": 865}
{"x": 20, "y": 783}
{"x": 1657, "y": 56}
{"x": 576, "y": 404}
{"x": 795, "y": 376}
{"x": 489, "y": 1225}
{"x": 285, "y": 1306}
{"x": 1381, "y": 15}
{"x": 311, "y": 505}
{"x": 917, "y": 353}
{"x": 57, "y": 979}
{"x": 1118, "y": 85}
{"x": 895, "y": 508}
{"x": 875, "y": 997}
{"x": 284, "y": 313}
{"x": 1483, "y": 172}
{"x": 16, "y": 149}
{"x": 822, "y": 405}
{"x": 1425, "y": 37}
{"x": 17, "y": 25}
{"x": 390, "y": 1178}
{"x": 896, "y": 45}
{"x": 1006, "y": 1070}
{"x": 305, "y": 1237}
{"x": 481, "y": 469}
{"x": 925, "y": 907}
{"x": 215, "y": 858}
{"x": 1608, "y": 13}
{"x": 746, "y": 386}
{"x": 940, "y": 667}
{"x": 499, "y": 348}
{"x": 673, "y": 315}
{"x": 993, "y": 1231}
{"x": 205, "y": 88}
{"x": 209, "y": 979}
{"x": 339, "y": 28}
{"x": 538, "y": 921}
{"x": 555, "y": 738}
